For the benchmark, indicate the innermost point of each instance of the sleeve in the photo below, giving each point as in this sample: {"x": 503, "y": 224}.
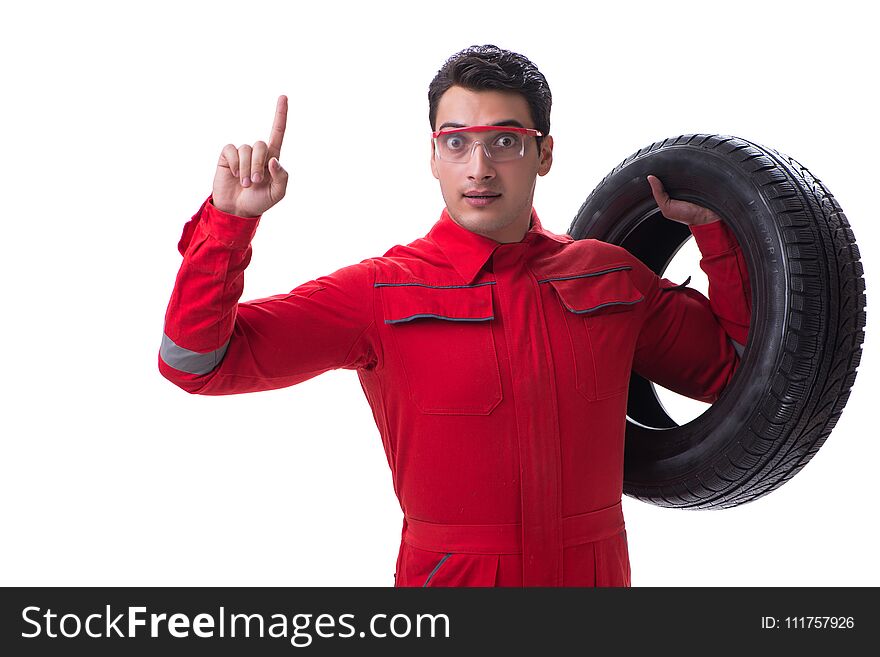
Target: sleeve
{"x": 214, "y": 345}
{"x": 688, "y": 343}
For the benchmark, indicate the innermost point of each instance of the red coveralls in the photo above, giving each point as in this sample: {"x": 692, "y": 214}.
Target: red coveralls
{"x": 497, "y": 375}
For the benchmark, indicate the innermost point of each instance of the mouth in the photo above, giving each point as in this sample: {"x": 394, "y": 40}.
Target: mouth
{"x": 480, "y": 200}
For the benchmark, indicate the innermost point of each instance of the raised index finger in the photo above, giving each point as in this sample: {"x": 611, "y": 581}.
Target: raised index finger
{"x": 278, "y": 127}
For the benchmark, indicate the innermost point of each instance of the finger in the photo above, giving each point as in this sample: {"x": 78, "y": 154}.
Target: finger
{"x": 258, "y": 161}
{"x": 244, "y": 158}
{"x": 229, "y": 159}
{"x": 278, "y": 127}
{"x": 656, "y": 185}
{"x": 278, "y": 182}
{"x": 659, "y": 192}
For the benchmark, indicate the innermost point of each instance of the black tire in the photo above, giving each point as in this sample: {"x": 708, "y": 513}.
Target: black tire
{"x": 807, "y": 326}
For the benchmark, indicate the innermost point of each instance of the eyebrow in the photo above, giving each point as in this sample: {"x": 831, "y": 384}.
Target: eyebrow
{"x": 513, "y": 122}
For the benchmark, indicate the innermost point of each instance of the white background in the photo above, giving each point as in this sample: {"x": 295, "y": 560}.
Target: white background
{"x": 112, "y": 123}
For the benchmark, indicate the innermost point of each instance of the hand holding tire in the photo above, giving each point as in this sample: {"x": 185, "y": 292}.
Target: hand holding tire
{"x": 681, "y": 211}
{"x": 249, "y": 179}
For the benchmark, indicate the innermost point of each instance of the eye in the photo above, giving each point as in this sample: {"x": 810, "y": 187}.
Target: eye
{"x": 453, "y": 142}
{"x": 507, "y": 140}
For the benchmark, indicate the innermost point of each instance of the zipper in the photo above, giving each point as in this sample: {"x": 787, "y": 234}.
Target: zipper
{"x": 436, "y": 568}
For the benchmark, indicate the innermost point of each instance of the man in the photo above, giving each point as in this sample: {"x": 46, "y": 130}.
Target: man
{"x": 494, "y": 354}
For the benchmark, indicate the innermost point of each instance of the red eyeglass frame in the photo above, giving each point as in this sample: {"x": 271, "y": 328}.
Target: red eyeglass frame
{"x": 488, "y": 128}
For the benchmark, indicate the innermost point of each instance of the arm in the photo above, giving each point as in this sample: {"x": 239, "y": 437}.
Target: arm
{"x": 214, "y": 345}
{"x": 730, "y": 295}
{"x": 689, "y": 343}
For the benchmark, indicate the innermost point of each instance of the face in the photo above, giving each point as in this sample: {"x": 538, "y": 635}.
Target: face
{"x": 506, "y": 218}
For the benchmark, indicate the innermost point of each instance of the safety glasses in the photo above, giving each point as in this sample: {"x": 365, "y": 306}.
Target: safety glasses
{"x": 500, "y": 144}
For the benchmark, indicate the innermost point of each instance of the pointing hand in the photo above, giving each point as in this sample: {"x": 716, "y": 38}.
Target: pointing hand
{"x": 242, "y": 185}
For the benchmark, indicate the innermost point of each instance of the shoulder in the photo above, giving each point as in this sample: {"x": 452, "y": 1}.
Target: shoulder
{"x": 588, "y": 258}
{"x": 420, "y": 260}
{"x": 583, "y": 256}
{"x": 599, "y": 250}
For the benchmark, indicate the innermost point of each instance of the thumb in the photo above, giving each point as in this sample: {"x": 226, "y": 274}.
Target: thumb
{"x": 278, "y": 175}
{"x": 658, "y": 191}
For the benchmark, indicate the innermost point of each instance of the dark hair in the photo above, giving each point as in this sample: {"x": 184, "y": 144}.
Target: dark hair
{"x": 489, "y": 67}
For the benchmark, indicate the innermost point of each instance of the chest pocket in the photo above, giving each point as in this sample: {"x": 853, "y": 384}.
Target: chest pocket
{"x": 443, "y": 335}
{"x": 599, "y": 311}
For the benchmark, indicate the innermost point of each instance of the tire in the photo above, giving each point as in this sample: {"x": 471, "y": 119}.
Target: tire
{"x": 807, "y": 323}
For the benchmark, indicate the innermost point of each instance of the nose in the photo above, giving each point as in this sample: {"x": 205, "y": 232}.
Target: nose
{"x": 480, "y": 166}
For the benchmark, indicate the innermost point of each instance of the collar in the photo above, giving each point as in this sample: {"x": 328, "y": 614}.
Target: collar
{"x": 469, "y": 251}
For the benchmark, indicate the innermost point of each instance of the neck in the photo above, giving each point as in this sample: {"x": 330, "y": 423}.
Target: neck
{"x": 513, "y": 233}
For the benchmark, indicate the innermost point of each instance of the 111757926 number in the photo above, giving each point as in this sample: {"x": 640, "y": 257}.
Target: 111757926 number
{"x": 807, "y": 622}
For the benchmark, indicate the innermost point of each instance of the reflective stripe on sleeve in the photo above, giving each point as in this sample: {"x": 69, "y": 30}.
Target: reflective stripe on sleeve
{"x": 191, "y": 362}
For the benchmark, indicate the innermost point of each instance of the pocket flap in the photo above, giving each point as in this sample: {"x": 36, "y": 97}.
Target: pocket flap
{"x": 589, "y": 293}
{"x": 404, "y": 302}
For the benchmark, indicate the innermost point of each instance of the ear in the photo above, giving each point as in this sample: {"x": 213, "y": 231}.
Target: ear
{"x": 546, "y": 159}
{"x": 434, "y": 162}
